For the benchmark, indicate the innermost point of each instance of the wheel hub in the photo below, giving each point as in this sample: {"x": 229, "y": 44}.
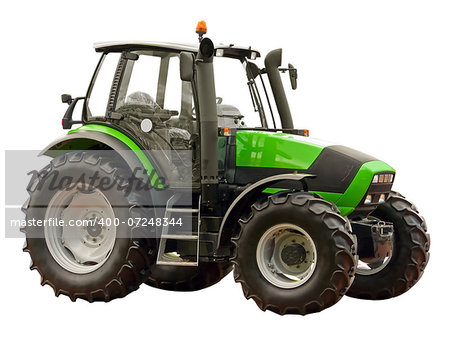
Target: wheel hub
{"x": 94, "y": 229}
{"x": 83, "y": 244}
{"x": 293, "y": 254}
{"x": 286, "y": 255}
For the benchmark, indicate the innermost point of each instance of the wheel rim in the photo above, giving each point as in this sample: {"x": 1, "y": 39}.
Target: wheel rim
{"x": 370, "y": 268}
{"x": 85, "y": 247}
{"x": 375, "y": 266}
{"x": 286, "y": 256}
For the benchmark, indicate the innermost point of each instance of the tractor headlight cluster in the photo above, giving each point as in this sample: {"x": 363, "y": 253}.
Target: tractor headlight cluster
{"x": 379, "y": 189}
{"x": 383, "y": 178}
{"x": 368, "y": 199}
{"x": 371, "y": 198}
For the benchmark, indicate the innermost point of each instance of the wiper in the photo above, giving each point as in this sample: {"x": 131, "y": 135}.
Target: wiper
{"x": 252, "y": 96}
{"x": 256, "y": 99}
{"x": 253, "y": 72}
{"x": 268, "y": 101}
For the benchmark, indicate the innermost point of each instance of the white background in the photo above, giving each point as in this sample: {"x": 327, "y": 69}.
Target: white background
{"x": 372, "y": 75}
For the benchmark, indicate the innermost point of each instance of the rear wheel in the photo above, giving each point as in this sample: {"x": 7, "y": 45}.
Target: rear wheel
{"x": 395, "y": 274}
{"x": 294, "y": 254}
{"x": 91, "y": 256}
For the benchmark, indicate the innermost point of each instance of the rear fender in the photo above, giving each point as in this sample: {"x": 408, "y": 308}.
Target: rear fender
{"x": 132, "y": 155}
{"x": 93, "y": 140}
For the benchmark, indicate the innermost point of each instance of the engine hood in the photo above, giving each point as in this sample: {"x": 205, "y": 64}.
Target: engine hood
{"x": 260, "y": 154}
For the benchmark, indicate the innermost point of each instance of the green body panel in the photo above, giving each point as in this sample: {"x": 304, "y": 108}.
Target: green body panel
{"x": 285, "y": 151}
{"x": 356, "y": 190}
{"x": 130, "y": 144}
{"x": 330, "y": 196}
{"x": 275, "y": 150}
{"x": 347, "y": 201}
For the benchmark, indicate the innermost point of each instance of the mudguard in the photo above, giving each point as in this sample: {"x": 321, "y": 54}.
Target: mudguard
{"x": 92, "y": 136}
{"x": 84, "y": 140}
{"x": 247, "y": 197}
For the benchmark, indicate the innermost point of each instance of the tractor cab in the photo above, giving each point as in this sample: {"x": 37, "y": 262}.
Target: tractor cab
{"x": 143, "y": 79}
{"x": 152, "y": 93}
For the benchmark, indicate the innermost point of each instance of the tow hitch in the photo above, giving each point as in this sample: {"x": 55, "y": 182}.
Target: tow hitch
{"x": 375, "y": 239}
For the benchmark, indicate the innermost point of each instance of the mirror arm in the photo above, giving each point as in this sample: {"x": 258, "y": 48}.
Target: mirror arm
{"x": 292, "y": 74}
{"x": 67, "y": 121}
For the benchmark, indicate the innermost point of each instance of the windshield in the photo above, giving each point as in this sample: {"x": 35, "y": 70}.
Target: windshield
{"x": 242, "y": 100}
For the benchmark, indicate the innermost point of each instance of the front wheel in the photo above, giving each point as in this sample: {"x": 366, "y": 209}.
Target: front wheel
{"x": 396, "y": 274}
{"x": 294, "y": 254}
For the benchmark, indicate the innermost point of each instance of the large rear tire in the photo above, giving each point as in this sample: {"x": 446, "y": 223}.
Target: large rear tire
{"x": 409, "y": 258}
{"x": 294, "y": 254}
{"x": 97, "y": 263}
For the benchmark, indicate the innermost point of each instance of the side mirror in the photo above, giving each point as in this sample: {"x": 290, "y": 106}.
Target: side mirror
{"x": 293, "y": 76}
{"x": 67, "y": 121}
{"x": 186, "y": 66}
{"x": 66, "y": 98}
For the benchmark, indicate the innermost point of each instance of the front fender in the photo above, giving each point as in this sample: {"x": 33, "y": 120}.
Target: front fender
{"x": 246, "y": 198}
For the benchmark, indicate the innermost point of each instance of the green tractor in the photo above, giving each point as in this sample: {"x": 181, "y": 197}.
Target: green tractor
{"x": 168, "y": 184}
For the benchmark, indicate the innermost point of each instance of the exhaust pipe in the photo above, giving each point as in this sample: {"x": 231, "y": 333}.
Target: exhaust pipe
{"x": 272, "y": 62}
{"x": 208, "y": 121}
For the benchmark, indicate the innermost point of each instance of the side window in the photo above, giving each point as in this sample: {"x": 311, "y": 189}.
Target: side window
{"x": 152, "y": 80}
{"x": 237, "y": 101}
{"x": 143, "y": 81}
{"x": 98, "y": 99}
{"x": 172, "y": 99}
{"x": 268, "y": 104}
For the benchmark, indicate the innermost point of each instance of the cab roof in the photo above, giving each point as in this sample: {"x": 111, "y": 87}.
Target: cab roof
{"x": 227, "y": 50}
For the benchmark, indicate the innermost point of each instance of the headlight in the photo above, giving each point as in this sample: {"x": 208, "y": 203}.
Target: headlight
{"x": 378, "y": 191}
{"x": 219, "y": 52}
{"x": 383, "y": 178}
{"x": 368, "y": 199}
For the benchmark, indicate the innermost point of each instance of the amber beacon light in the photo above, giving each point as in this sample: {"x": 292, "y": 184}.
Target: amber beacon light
{"x": 201, "y": 29}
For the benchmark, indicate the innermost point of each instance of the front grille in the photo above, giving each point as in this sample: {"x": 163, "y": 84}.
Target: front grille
{"x": 375, "y": 190}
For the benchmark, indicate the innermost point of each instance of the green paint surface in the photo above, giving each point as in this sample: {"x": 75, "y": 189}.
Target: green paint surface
{"x": 329, "y": 196}
{"x": 129, "y": 143}
{"x": 275, "y": 150}
{"x": 356, "y": 190}
{"x": 347, "y": 201}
